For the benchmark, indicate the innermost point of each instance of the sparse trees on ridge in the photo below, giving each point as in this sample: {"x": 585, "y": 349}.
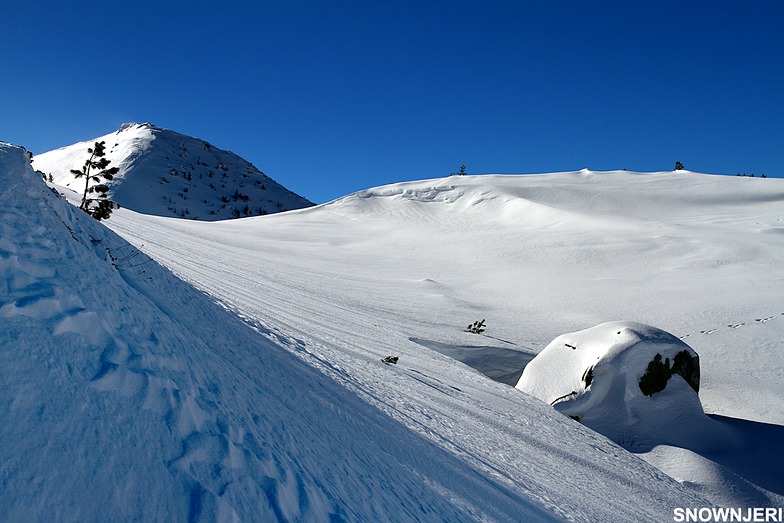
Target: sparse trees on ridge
{"x": 96, "y": 169}
{"x": 461, "y": 172}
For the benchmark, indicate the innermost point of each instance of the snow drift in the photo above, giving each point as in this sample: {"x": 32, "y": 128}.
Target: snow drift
{"x": 638, "y": 385}
{"x": 400, "y": 270}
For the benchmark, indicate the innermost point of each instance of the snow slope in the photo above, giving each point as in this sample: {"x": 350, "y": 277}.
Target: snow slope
{"x": 128, "y": 395}
{"x": 169, "y": 174}
{"x": 538, "y": 256}
{"x": 401, "y": 269}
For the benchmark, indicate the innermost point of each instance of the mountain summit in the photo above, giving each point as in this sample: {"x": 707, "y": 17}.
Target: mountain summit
{"x": 166, "y": 173}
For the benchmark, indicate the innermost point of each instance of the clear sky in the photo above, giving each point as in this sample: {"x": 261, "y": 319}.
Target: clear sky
{"x": 331, "y": 97}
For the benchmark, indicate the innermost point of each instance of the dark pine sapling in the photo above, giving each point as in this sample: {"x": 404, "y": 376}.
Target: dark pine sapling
{"x": 96, "y": 169}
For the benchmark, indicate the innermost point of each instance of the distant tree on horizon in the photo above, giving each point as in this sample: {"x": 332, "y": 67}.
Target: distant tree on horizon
{"x": 96, "y": 169}
{"x": 461, "y": 172}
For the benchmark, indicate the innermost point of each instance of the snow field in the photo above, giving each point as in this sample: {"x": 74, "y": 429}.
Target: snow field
{"x": 398, "y": 269}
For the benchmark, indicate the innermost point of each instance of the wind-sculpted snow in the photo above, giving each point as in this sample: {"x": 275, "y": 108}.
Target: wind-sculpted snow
{"x": 598, "y": 376}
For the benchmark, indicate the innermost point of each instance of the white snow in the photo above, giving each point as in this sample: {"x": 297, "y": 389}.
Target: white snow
{"x": 398, "y": 269}
{"x": 538, "y": 256}
{"x": 129, "y": 393}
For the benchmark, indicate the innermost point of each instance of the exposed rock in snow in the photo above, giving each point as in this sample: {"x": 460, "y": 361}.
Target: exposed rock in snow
{"x": 634, "y": 383}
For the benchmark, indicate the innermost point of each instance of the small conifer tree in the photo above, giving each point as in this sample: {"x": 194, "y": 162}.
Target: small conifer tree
{"x": 96, "y": 169}
{"x": 478, "y": 327}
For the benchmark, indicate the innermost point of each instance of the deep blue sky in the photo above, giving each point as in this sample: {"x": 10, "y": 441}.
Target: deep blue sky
{"x": 337, "y": 96}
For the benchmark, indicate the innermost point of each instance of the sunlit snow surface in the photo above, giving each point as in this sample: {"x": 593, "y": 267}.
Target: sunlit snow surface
{"x": 129, "y": 394}
{"x": 404, "y": 268}
{"x": 537, "y": 256}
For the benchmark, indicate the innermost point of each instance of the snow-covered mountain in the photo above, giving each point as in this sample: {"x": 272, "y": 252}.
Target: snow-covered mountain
{"x": 169, "y": 174}
{"x": 129, "y": 394}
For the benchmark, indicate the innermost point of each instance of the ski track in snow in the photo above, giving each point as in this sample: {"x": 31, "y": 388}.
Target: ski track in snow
{"x": 274, "y": 274}
{"x": 144, "y": 410}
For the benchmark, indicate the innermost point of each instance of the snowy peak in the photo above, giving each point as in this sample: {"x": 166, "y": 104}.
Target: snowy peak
{"x": 166, "y": 173}
{"x": 132, "y": 125}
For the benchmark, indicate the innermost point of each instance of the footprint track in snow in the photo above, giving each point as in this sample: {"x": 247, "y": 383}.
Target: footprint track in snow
{"x": 734, "y": 325}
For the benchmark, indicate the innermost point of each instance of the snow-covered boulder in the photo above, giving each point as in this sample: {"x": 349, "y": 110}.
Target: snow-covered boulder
{"x": 634, "y": 383}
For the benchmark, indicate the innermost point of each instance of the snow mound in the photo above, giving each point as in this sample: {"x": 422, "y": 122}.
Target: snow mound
{"x": 634, "y": 383}
{"x": 165, "y": 173}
